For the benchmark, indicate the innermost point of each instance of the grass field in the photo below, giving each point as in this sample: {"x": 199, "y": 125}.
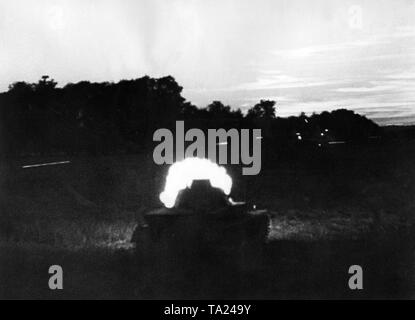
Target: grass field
{"x": 352, "y": 207}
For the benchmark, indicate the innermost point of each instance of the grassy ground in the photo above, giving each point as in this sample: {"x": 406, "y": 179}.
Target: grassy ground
{"x": 329, "y": 212}
{"x": 288, "y": 269}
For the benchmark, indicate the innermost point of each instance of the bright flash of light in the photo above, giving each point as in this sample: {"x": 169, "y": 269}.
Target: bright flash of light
{"x": 181, "y": 175}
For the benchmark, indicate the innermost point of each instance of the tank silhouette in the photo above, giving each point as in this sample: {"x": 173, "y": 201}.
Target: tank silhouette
{"x": 203, "y": 220}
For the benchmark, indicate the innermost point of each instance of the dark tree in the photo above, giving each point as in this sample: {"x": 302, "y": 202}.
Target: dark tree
{"x": 265, "y": 109}
{"x": 111, "y": 117}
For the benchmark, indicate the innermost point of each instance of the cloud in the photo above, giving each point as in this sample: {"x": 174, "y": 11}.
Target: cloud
{"x": 304, "y": 55}
{"x": 404, "y": 75}
{"x": 366, "y": 89}
{"x": 309, "y": 51}
{"x": 278, "y": 80}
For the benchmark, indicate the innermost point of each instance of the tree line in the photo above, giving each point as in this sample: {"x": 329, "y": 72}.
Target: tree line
{"x": 102, "y": 118}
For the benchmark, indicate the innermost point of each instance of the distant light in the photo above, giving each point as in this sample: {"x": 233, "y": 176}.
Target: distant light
{"x": 322, "y": 134}
{"x": 299, "y": 138}
{"x": 327, "y": 130}
{"x": 319, "y": 144}
{"x": 44, "y": 164}
{"x": 337, "y": 142}
{"x": 305, "y": 120}
{"x": 297, "y": 133}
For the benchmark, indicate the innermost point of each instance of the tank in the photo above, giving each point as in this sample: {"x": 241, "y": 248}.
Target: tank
{"x": 203, "y": 221}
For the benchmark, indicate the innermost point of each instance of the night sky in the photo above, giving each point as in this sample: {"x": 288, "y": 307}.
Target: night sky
{"x": 307, "y": 55}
